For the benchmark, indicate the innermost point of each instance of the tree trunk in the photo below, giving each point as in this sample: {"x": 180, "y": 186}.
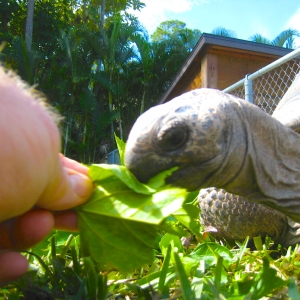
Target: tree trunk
{"x": 101, "y": 30}
{"x": 142, "y": 109}
{"x": 110, "y": 107}
{"x": 102, "y": 18}
{"x": 66, "y": 139}
{"x": 29, "y": 24}
{"x": 121, "y": 128}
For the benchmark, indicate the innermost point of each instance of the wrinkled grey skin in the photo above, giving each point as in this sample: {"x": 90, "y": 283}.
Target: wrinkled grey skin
{"x": 234, "y": 218}
{"x": 219, "y": 140}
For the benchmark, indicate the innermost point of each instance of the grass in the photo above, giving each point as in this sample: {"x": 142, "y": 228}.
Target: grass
{"x": 206, "y": 270}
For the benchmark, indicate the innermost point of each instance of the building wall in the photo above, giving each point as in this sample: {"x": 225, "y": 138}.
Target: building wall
{"x": 220, "y": 69}
{"x": 232, "y": 69}
{"x": 196, "y": 82}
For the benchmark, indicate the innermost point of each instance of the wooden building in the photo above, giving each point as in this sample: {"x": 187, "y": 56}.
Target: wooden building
{"x": 218, "y": 62}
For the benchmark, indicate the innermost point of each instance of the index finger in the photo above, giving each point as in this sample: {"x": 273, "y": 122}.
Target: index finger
{"x": 74, "y": 165}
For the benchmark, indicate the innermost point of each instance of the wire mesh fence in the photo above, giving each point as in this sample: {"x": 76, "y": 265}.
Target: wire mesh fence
{"x": 270, "y": 83}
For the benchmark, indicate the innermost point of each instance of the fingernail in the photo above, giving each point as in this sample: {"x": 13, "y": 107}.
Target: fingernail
{"x": 82, "y": 185}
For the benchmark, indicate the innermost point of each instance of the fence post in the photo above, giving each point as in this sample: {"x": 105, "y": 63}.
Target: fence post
{"x": 248, "y": 89}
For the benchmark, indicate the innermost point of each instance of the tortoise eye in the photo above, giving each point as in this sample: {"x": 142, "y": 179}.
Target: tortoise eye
{"x": 172, "y": 136}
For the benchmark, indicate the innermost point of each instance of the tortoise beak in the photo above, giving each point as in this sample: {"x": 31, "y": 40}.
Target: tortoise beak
{"x": 142, "y": 166}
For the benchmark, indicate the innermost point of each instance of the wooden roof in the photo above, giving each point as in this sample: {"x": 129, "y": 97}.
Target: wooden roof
{"x": 210, "y": 43}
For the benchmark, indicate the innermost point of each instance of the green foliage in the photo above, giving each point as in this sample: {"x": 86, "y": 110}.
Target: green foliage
{"x": 51, "y": 277}
{"x": 59, "y": 272}
{"x": 92, "y": 77}
{"x": 224, "y": 32}
{"x": 99, "y": 71}
{"x": 124, "y": 214}
{"x": 178, "y": 39}
{"x": 121, "y": 149}
{"x": 174, "y": 29}
{"x": 131, "y": 245}
{"x": 150, "y": 261}
{"x": 283, "y": 39}
{"x": 97, "y": 78}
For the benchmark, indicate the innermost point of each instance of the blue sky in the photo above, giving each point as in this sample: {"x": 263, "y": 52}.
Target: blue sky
{"x": 244, "y": 17}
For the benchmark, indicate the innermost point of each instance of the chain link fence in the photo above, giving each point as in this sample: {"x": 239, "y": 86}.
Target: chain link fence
{"x": 266, "y": 87}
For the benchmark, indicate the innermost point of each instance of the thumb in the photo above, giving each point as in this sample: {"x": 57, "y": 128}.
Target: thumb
{"x": 69, "y": 186}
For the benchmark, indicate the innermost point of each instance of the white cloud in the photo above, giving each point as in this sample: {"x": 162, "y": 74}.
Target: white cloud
{"x": 155, "y": 11}
{"x": 294, "y": 23}
{"x": 259, "y": 27}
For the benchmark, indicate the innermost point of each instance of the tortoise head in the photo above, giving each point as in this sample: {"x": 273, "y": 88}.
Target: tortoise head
{"x": 189, "y": 132}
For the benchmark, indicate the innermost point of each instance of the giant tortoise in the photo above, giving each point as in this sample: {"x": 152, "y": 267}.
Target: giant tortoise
{"x": 217, "y": 140}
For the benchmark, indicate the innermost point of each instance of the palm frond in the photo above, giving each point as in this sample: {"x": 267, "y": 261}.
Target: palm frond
{"x": 224, "y": 32}
{"x": 286, "y": 38}
{"x": 258, "y": 38}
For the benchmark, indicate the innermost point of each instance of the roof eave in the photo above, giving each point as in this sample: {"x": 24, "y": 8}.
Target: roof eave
{"x": 208, "y": 40}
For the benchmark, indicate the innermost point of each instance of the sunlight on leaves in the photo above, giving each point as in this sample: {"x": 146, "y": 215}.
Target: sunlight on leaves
{"x": 119, "y": 223}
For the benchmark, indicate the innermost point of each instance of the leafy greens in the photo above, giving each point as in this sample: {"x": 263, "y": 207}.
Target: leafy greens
{"x": 119, "y": 224}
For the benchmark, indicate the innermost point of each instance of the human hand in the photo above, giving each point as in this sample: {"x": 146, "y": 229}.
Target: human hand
{"x": 24, "y": 232}
{"x": 35, "y": 179}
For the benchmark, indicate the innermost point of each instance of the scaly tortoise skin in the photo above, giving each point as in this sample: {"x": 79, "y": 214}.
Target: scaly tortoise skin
{"x": 235, "y": 218}
{"x": 218, "y": 140}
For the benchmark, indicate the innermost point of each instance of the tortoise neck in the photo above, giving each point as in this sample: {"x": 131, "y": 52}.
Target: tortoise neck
{"x": 270, "y": 172}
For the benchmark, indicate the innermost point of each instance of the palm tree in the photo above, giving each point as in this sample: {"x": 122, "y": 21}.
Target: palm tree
{"x": 76, "y": 100}
{"x": 24, "y": 60}
{"x": 146, "y": 61}
{"x": 117, "y": 51}
{"x": 29, "y": 24}
{"x": 73, "y": 76}
{"x": 172, "y": 42}
{"x": 175, "y": 34}
{"x": 285, "y": 39}
{"x": 224, "y": 32}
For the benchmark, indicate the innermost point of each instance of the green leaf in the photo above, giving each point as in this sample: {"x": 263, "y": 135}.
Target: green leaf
{"x": 102, "y": 287}
{"x": 215, "y": 291}
{"x": 192, "y": 198}
{"x": 91, "y": 277}
{"x": 120, "y": 222}
{"x": 152, "y": 279}
{"x": 188, "y": 215}
{"x": 218, "y": 272}
{"x": 293, "y": 291}
{"x": 209, "y": 252}
{"x": 124, "y": 203}
{"x": 173, "y": 241}
{"x": 190, "y": 265}
{"x": 13, "y": 296}
{"x": 243, "y": 249}
{"x": 111, "y": 173}
{"x": 115, "y": 243}
{"x": 197, "y": 284}
{"x": 159, "y": 180}
{"x": 172, "y": 228}
{"x": 187, "y": 292}
{"x": 164, "y": 270}
{"x": 266, "y": 281}
{"x": 258, "y": 242}
{"x": 169, "y": 239}
{"x": 121, "y": 148}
